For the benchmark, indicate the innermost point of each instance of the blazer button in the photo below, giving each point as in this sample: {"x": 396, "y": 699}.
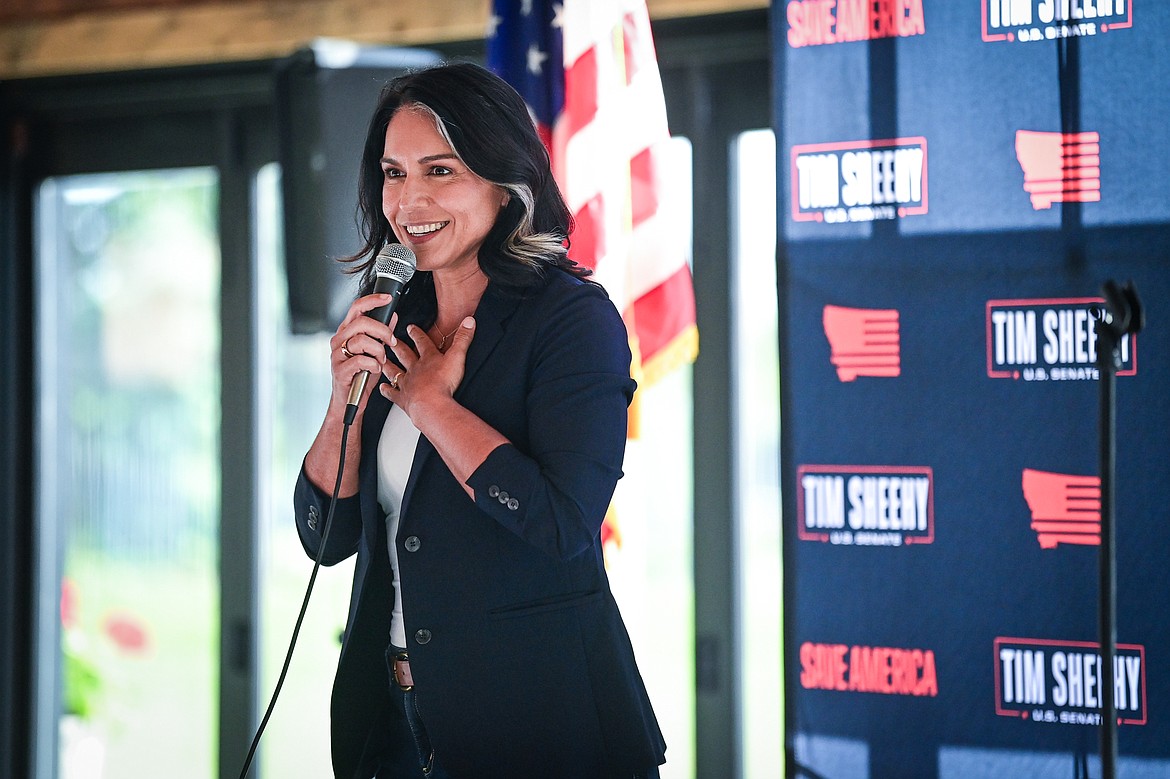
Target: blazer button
{"x": 412, "y": 544}
{"x": 493, "y": 491}
{"x": 513, "y": 504}
{"x": 314, "y": 515}
{"x": 422, "y": 636}
{"x": 503, "y": 498}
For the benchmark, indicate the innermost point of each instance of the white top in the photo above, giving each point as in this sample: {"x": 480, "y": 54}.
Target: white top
{"x": 395, "y": 455}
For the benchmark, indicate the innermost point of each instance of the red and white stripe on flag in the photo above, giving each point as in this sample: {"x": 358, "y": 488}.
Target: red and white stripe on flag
{"x": 610, "y": 155}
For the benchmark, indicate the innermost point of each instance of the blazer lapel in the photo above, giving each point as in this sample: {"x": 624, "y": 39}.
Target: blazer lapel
{"x": 491, "y": 318}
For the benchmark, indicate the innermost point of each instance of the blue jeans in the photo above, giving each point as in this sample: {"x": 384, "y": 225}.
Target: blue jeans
{"x": 426, "y": 755}
{"x": 411, "y": 756}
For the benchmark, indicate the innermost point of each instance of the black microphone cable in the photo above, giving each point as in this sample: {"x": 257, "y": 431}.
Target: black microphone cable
{"x": 393, "y": 267}
{"x": 304, "y": 604}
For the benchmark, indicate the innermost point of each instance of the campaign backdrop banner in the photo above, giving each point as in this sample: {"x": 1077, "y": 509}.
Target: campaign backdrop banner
{"x": 957, "y": 181}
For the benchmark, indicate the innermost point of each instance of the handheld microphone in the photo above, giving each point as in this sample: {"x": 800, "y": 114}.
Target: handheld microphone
{"x": 393, "y": 267}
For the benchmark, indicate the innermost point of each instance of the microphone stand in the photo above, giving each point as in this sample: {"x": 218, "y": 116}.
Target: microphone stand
{"x": 1123, "y": 315}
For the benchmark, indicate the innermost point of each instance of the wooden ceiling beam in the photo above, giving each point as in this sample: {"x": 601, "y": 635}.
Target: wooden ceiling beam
{"x": 206, "y": 32}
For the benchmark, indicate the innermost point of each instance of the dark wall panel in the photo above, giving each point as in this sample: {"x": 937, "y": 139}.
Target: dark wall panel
{"x": 957, "y": 184}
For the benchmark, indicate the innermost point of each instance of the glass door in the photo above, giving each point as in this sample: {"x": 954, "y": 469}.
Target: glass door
{"x": 756, "y": 425}
{"x": 127, "y": 430}
{"x": 293, "y": 372}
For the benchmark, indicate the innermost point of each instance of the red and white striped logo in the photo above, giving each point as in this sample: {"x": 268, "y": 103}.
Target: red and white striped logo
{"x": 1060, "y": 167}
{"x": 1066, "y": 509}
{"x": 863, "y": 341}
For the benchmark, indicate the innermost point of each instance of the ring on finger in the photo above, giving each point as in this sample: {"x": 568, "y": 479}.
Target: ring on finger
{"x": 345, "y": 348}
{"x": 394, "y": 381}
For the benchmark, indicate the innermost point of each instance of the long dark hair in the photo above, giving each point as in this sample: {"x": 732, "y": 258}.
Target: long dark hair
{"x": 489, "y": 128}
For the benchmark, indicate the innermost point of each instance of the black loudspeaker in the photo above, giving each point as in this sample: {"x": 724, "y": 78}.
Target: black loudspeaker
{"x": 325, "y": 95}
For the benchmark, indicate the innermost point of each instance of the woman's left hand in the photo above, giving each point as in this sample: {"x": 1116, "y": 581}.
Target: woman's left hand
{"x": 427, "y": 375}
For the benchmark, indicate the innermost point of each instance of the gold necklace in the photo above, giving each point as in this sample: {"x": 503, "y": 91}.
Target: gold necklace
{"x": 443, "y": 340}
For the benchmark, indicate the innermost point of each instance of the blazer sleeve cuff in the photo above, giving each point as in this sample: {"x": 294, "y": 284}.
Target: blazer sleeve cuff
{"x": 503, "y": 485}
{"x": 311, "y": 506}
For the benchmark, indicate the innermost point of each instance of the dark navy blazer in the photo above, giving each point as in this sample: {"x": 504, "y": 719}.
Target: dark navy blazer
{"x": 521, "y": 662}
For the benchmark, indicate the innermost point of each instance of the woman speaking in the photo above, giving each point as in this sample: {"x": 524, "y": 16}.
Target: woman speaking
{"x": 482, "y": 637}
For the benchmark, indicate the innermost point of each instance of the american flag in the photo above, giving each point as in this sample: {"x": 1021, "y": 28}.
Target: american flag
{"x": 588, "y": 72}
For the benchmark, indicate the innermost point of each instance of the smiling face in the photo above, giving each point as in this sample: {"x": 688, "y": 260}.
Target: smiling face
{"x": 436, "y": 205}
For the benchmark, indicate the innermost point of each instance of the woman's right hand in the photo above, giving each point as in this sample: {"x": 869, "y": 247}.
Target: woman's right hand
{"x": 359, "y": 345}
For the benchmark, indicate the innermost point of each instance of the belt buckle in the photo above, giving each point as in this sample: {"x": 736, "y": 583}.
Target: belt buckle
{"x": 403, "y": 657}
